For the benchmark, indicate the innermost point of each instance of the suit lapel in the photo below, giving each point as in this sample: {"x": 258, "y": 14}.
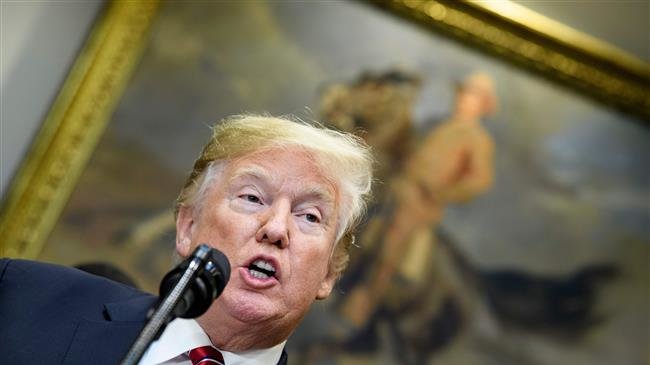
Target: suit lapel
{"x": 132, "y": 310}
{"x": 107, "y": 341}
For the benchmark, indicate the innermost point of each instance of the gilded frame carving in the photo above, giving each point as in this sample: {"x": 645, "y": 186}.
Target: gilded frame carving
{"x": 525, "y": 38}
{"x": 77, "y": 118}
{"x": 72, "y": 128}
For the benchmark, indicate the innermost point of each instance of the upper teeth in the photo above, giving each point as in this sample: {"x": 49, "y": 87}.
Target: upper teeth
{"x": 264, "y": 265}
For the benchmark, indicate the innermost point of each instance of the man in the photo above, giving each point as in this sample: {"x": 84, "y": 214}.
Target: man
{"x": 279, "y": 198}
{"x": 453, "y": 164}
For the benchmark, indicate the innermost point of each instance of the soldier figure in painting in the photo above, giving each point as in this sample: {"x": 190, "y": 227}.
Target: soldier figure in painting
{"x": 405, "y": 276}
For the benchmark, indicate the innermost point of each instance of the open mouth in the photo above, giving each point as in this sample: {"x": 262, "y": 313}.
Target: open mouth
{"x": 262, "y": 269}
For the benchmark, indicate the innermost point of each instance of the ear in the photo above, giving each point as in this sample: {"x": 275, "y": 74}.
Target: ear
{"x": 326, "y": 285}
{"x": 184, "y": 225}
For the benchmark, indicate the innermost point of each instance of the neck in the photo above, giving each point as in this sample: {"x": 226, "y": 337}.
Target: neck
{"x": 233, "y": 335}
{"x": 467, "y": 119}
{"x": 467, "y": 114}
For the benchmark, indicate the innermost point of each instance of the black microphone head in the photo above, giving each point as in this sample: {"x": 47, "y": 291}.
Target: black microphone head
{"x": 218, "y": 265}
{"x": 208, "y": 282}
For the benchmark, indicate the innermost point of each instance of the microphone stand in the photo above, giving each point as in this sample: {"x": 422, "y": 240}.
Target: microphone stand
{"x": 164, "y": 313}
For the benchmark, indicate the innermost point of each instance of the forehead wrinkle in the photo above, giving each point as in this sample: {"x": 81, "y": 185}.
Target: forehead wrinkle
{"x": 318, "y": 193}
{"x": 252, "y": 171}
{"x": 311, "y": 192}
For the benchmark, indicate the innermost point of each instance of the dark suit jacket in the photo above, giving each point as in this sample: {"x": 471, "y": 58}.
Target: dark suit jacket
{"x": 56, "y": 315}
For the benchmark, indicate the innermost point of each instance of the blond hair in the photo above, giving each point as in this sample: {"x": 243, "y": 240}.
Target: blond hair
{"x": 346, "y": 157}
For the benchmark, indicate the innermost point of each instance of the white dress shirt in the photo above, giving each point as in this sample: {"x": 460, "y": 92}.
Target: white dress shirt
{"x": 182, "y": 335}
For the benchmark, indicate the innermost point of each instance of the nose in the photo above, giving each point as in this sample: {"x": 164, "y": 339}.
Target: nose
{"x": 274, "y": 227}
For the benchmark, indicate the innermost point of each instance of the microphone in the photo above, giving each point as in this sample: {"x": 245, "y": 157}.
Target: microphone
{"x": 206, "y": 286}
{"x": 187, "y": 292}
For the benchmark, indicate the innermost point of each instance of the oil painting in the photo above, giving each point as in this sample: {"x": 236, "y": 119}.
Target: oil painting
{"x": 510, "y": 219}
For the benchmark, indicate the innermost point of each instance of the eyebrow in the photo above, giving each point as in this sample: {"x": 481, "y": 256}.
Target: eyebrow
{"x": 253, "y": 171}
{"x": 318, "y": 193}
{"x": 263, "y": 175}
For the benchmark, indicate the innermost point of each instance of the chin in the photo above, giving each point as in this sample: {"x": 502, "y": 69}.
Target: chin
{"x": 251, "y": 308}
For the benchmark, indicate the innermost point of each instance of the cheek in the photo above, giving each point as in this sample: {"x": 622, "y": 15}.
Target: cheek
{"x": 471, "y": 102}
{"x": 315, "y": 265}
{"x": 221, "y": 228}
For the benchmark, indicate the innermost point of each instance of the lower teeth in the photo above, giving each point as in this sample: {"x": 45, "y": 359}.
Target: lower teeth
{"x": 257, "y": 274}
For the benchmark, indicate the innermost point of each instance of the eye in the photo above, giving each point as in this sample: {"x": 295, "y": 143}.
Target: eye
{"x": 251, "y": 198}
{"x": 312, "y": 218}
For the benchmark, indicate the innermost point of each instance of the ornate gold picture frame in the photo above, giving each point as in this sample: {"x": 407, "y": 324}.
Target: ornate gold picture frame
{"x": 523, "y": 37}
{"x": 73, "y": 126}
{"x": 562, "y": 186}
{"x": 78, "y": 116}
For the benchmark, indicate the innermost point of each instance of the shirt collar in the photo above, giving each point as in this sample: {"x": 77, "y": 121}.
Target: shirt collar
{"x": 255, "y": 357}
{"x": 182, "y": 335}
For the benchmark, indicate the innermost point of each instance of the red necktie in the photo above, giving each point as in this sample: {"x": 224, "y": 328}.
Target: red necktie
{"x": 206, "y": 355}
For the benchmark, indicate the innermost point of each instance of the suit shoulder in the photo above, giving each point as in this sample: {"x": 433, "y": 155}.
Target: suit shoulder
{"x": 40, "y": 281}
{"x": 43, "y": 307}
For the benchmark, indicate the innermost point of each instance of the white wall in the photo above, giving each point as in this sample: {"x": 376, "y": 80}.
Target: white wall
{"x": 625, "y": 24}
{"x": 39, "y": 42}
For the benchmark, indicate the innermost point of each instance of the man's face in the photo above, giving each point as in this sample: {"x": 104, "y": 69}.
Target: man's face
{"x": 274, "y": 215}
